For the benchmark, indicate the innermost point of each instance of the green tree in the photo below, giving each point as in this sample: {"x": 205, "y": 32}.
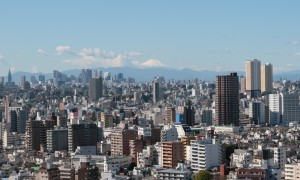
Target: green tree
{"x": 203, "y": 175}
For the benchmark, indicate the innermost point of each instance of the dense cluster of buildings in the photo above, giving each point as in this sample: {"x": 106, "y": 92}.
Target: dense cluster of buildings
{"x": 104, "y": 126}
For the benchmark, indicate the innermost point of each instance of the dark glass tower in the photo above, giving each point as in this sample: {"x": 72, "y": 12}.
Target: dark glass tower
{"x": 227, "y": 100}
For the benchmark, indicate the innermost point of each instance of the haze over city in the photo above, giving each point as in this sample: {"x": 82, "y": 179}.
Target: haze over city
{"x": 147, "y": 90}
{"x": 201, "y": 35}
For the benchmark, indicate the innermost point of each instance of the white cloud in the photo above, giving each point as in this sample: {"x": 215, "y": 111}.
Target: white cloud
{"x": 41, "y": 51}
{"x": 287, "y": 67}
{"x": 149, "y": 63}
{"x": 297, "y": 54}
{"x": 12, "y": 69}
{"x": 2, "y": 57}
{"x": 88, "y": 57}
{"x": 135, "y": 53}
{"x": 62, "y": 49}
{"x": 219, "y": 68}
{"x": 295, "y": 42}
{"x": 34, "y": 69}
{"x": 90, "y": 52}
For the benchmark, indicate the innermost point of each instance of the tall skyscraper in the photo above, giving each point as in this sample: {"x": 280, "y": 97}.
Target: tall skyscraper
{"x": 242, "y": 84}
{"x": 95, "y": 88}
{"x": 97, "y": 74}
{"x": 85, "y": 75}
{"x": 2, "y": 80}
{"x": 253, "y": 76}
{"x": 257, "y": 111}
{"x": 266, "y": 78}
{"x": 189, "y": 114}
{"x": 157, "y": 90}
{"x": 42, "y": 78}
{"x": 9, "y": 78}
{"x": 22, "y": 81}
{"x": 227, "y": 100}
{"x": 290, "y": 108}
{"x": 275, "y": 108}
{"x": 17, "y": 118}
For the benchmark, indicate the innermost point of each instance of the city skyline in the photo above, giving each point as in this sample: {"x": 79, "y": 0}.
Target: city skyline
{"x": 41, "y": 36}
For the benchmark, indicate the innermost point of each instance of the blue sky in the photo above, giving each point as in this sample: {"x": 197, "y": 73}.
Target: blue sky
{"x": 38, "y": 36}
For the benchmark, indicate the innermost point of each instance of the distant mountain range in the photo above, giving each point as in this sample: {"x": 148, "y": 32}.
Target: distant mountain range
{"x": 147, "y": 74}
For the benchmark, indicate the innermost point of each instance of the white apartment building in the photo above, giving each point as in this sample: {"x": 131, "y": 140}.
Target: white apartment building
{"x": 280, "y": 157}
{"x": 292, "y": 171}
{"x": 275, "y": 108}
{"x": 205, "y": 154}
{"x": 241, "y": 158}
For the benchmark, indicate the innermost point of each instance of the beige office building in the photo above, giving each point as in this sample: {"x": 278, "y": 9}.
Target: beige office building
{"x": 266, "y": 78}
{"x": 253, "y": 75}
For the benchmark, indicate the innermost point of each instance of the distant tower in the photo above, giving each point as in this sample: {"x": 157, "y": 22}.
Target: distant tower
{"x": 95, "y": 88}
{"x": 157, "y": 90}
{"x": 253, "y": 77}
{"x": 227, "y": 100}
{"x": 266, "y": 78}
{"x": 22, "y": 81}
{"x": 97, "y": 74}
{"x": 242, "y": 84}
{"x": 9, "y": 76}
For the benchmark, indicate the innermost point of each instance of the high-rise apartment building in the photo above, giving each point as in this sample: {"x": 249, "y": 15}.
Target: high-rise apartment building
{"x": 95, "y": 88}
{"x": 36, "y": 134}
{"x": 120, "y": 138}
{"x": 57, "y": 139}
{"x": 172, "y": 153}
{"x": 136, "y": 146}
{"x": 253, "y": 77}
{"x": 275, "y": 108}
{"x": 205, "y": 153}
{"x": 227, "y": 100}
{"x": 257, "y": 111}
{"x": 17, "y": 117}
{"x": 189, "y": 114}
{"x": 170, "y": 114}
{"x": 82, "y": 135}
{"x": 292, "y": 171}
{"x": 266, "y": 78}
{"x": 107, "y": 119}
